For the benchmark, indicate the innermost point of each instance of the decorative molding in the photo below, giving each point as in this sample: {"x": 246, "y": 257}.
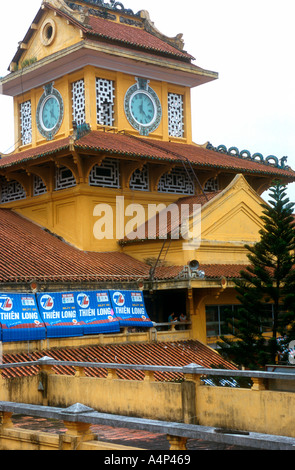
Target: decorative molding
{"x": 149, "y": 26}
{"x": 271, "y": 160}
{"x": 113, "y": 6}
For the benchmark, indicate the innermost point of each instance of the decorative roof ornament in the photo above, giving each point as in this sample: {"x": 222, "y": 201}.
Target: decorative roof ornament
{"x": 271, "y": 160}
{"x": 112, "y": 5}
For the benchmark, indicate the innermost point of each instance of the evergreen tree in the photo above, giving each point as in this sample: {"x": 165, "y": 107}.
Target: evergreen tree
{"x": 269, "y": 279}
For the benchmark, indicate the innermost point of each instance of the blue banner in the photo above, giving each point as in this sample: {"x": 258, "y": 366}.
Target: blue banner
{"x": 20, "y": 319}
{"x": 59, "y": 313}
{"x": 129, "y": 308}
{"x": 96, "y": 312}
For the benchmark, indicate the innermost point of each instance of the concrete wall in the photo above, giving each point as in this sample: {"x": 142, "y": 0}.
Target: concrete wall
{"x": 256, "y": 409}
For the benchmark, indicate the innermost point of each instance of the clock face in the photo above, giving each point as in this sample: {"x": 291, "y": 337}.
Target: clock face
{"x": 143, "y": 108}
{"x": 50, "y": 113}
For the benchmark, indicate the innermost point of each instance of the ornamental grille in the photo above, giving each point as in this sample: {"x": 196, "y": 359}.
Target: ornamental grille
{"x": 175, "y": 115}
{"x": 140, "y": 180}
{"x": 105, "y": 98}
{"x": 38, "y": 186}
{"x": 26, "y": 122}
{"x": 211, "y": 186}
{"x": 107, "y": 175}
{"x": 176, "y": 182}
{"x": 78, "y": 99}
{"x": 64, "y": 178}
{"x": 11, "y": 191}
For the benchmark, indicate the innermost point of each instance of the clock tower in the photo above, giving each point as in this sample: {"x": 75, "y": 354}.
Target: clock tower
{"x": 103, "y": 135}
{"x": 98, "y": 63}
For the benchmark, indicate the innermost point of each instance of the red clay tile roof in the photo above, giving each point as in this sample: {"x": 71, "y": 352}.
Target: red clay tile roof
{"x": 173, "y": 152}
{"x": 179, "y": 353}
{"x": 216, "y": 271}
{"x": 104, "y": 29}
{"x": 109, "y": 31}
{"x": 169, "y": 226}
{"x": 34, "y": 153}
{"x": 131, "y": 146}
{"x": 130, "y": 36}
{"x": 27, "y": 252}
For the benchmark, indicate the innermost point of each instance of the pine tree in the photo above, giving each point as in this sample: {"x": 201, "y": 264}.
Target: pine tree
{"x": 269, "y": 279}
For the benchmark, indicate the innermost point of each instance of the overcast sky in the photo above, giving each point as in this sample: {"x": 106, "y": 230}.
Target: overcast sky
{"x": 249, "y": 43}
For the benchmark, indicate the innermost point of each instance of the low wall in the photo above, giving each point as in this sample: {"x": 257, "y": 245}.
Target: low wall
{"x": 257, "y": 409}
{"x": 162, "y": 333}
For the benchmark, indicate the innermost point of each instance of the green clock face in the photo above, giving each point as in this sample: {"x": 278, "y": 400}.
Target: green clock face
{"x": 50, "y": 113}
{"x": 143, "y": 108}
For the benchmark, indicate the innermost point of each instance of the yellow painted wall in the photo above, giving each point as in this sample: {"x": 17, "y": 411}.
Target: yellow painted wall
{"x": 228, "y": 221}
{"x": 122, "y": 82}
{"x": 263, "y": 411}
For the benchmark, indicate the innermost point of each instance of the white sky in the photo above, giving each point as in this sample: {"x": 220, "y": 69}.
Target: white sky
{"x": 249, "y": 43}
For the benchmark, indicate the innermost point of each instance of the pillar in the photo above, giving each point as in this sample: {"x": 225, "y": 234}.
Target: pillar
{"x": 177, "y": 443}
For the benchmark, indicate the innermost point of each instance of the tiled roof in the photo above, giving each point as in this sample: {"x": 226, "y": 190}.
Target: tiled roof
{"x": 216, "y": 271}
{"x": 174, "y": 152}
{"x": 131, "y": 146}
{"x": 107, "y": 30}
{"x": 169, "y": 223}
{"x": 34, "y": 153}
{"x": 28, "y": 252}
{"x": 130, "y": 36}
{"x": 179, "y": 353}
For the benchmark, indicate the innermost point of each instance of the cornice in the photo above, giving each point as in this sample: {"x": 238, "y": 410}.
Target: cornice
{"x": 106, "y": 56}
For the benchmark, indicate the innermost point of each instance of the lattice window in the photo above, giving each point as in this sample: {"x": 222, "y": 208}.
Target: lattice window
{"x": 177, "y": 182}
{"x": 105, "y": 98}
{"x": 140, "y": 180}
{"x": 107, "y": 175}
{"x": 211, "y": 186}
{"x": 78, "y": 99}
{"x": 175, "y": 115}
{"x": 26, "y": 122}
{"x": 64, "y": 178}
{"x": 11, "y": 191}
{"x": 38, "y": 186}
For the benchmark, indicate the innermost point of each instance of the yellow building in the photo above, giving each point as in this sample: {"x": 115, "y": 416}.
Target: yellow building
{"x": 102, "y": 107}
